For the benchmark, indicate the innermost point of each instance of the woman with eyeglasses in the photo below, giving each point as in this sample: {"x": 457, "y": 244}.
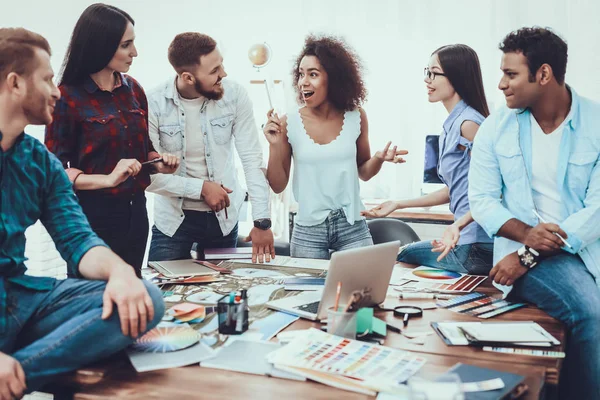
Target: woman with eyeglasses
{"x": 453, "y": 78}
{"x": 328, "y": 139}
{"x": 100, "y": 131}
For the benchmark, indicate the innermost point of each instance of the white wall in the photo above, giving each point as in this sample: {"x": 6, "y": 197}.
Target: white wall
{"x": 393, "y": 37}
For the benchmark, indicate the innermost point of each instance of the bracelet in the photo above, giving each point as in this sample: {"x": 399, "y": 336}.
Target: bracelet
{"x": 74, "y": 179}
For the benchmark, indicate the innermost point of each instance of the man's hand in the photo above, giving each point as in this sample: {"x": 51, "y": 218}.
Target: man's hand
{"x": 448, "y": 242}
{"x": 262, "y": 244}
{"x": 215, "y": 195}
{"x": 12, "y": 378}
{"x": 508, "y": 270}
{"x": 542, "y": 238}
{"x": 392, "y": 155}
{"x": 168, "y": 165}
{"x": 132, "y": 299}
{"x": 124, "y": 169}
{"x": 382, "y": 210}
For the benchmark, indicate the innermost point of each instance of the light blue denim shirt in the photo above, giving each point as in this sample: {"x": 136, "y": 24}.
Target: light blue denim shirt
{"x": 453, "y": 168}
{"x": 500, "y": 178}
{"x": 226, "y": 123}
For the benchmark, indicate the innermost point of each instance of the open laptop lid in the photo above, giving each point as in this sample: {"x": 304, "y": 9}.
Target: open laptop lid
{"x": 364, "y": 267}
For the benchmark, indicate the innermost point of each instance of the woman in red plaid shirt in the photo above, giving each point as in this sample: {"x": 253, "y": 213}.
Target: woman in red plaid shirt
{"x": 100, "y": 131}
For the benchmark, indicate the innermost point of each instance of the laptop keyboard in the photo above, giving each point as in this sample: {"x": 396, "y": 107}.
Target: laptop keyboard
{"x": 311, "y": 308}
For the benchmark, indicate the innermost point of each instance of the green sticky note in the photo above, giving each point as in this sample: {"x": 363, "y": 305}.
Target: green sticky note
{"x": 364, "y": 319}
{"x": 379, "y": 326}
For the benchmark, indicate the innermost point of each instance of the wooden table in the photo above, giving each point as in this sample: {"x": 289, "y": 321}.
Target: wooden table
{"x": 418, "y": 215}
{"x": 115, "y": 378}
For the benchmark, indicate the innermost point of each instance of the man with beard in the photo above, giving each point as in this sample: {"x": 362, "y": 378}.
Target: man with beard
{"x": 200, "y": 116}
{"x": 49, "y": 326}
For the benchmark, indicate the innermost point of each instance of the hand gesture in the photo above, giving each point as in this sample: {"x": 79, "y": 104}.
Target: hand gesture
{"x": 448, "y": 242}
{"x": 215, "y": 195}
{"x": 168, "y": 165}
{"x": 124, "y": 169}
{"x": 273, "y": 128}
{"x": 542, "y": 238}
{"x": 392, "y": 155}
{"x": 12, "y": 378}
{"x": 132, "y": 299}
{"x": 382, "y": 210}
{"x": 262, "y": 244}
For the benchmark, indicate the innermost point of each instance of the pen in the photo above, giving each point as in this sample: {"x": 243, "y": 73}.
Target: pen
{"x": 226, "y": 216}
{"x": 159, "y": 159}
{"x": 556, "y": 233}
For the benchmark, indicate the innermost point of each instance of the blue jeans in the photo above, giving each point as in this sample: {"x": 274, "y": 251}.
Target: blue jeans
{"x": 335, "y": 233}
{"x": 197, "y": 227}
{"x": 475, "y": 259}
{"x": 564, "y": 288}
{"x": 57, "y": 331}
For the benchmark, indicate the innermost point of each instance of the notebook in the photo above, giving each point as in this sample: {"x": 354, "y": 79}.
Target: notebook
{"x": 470, "y": 373}
{"x": 228, "y": 253}
{"x": 179, "y": 268}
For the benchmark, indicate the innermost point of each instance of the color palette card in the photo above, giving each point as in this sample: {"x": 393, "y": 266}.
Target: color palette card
{"x": 479, "y": 305}
{"x": 166, "y": 339}
{"x": 428, "y": 274}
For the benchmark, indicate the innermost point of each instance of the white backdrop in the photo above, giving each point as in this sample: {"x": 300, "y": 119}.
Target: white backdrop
{"x": 393, "y": 37}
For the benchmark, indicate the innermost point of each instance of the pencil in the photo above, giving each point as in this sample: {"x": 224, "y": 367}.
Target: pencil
{"x": 556, "y": 233}
{"x": 337, "y": 295}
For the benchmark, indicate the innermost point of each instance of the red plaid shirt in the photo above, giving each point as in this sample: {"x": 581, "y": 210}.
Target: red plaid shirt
{"x": 93, "y": 129}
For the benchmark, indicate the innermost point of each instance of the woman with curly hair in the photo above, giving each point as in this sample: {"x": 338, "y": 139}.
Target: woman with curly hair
{"x": 328, "y": 137}
{"x": 453, "y": 77}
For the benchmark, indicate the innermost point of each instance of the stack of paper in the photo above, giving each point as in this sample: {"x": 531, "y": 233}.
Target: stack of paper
{"x": 526, "y": 333}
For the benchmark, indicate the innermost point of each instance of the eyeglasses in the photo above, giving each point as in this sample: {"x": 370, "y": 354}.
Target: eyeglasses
{"x": 431, "y": 75}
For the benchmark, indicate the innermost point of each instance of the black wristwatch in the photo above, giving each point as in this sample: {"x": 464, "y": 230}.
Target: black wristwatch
{"x": 528, "y": 257}
{"x": 263, "y": 223}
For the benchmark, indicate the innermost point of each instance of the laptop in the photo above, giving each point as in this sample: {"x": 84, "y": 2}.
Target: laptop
{"x": 180, "y": 268}
{"x": 365, "y": 267}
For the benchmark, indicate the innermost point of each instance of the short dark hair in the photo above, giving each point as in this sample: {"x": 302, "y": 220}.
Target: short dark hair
{"x": 461, "y": 66}
{"x": 95, "y": 40}
{"x": 346, "y": 89}
{"x": 187, "y": 48}
{"x": 540, "y": 46}
{"x": 17, "y": 51}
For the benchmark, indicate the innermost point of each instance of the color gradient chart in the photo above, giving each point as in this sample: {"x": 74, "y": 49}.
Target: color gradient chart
{"x": 167, "y": 339}
{"x": 435, "y": 274}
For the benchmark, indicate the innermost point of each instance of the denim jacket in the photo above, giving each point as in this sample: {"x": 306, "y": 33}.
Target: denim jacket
{"x": 500, "y": 178}
{"x": 228, "y": 121}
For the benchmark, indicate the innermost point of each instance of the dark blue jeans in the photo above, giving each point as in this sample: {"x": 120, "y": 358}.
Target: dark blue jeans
{"x": 475, "y": 259}
{"x": 197, "y": 227}
{"x": 564, "y": 288}
{"x": 57, "y": 331}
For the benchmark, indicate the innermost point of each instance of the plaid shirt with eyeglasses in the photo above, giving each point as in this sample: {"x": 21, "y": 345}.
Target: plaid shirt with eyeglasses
{"x": 93, "y": 129}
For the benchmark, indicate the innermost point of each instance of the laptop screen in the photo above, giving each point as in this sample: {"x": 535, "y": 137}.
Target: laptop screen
{"x": 432, "y": 155}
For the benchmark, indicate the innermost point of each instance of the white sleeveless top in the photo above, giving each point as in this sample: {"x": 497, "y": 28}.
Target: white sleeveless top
{"x": 325, "y": 176}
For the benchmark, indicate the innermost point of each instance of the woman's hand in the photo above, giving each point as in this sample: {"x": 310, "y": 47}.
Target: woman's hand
{"x": 448, "y": 242}
{"x": 392, "y": 155}
{"x": 382, "y": 210}
{"x": 273, "y": 129}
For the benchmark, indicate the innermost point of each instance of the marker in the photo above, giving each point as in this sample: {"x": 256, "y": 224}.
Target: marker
{"x": 526, "y": 352}
{"x": 159, "y": 159}
{"x": 556, "y": 233}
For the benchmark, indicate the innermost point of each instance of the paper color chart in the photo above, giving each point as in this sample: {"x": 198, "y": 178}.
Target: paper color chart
{"x": 465, "y": 284}
{"x": 335, "y": 355}
{"x": 479, "y": 305}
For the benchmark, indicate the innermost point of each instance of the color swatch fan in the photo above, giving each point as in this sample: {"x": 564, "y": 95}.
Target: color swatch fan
{"x": 166, "y": 339}
{"x": 433, "y": 274}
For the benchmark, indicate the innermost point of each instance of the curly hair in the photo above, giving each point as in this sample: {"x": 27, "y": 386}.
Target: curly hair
{"x": 346, "y": 88}
{"x": 540, "y": 46}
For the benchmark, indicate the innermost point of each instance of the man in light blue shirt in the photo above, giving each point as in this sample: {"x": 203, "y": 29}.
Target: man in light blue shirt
{"x": 536, "y": 161}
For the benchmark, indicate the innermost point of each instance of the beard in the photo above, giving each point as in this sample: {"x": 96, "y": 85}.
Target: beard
{"x": 209, "y": 94}
{"x": 35, "y": 108}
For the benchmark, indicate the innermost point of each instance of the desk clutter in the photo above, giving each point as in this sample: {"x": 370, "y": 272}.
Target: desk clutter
{"x": 219, "y": 319}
